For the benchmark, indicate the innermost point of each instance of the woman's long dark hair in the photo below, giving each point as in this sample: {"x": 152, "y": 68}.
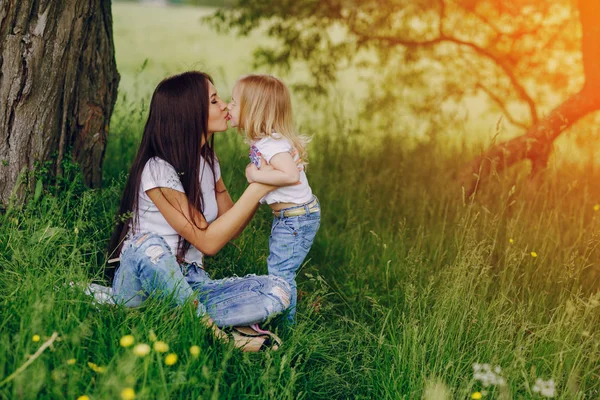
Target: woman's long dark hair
{"x": 177, "y": 125}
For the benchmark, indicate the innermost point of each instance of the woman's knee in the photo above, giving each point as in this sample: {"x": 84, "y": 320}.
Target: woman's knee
{"x": 148, "y": 247}
{"x": 281, "y": 290}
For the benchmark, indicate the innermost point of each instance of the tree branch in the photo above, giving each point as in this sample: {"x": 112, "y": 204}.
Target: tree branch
{"x": 533, "y": 145}
{"x": 412, "y": 44}
{"x": 502, "y": 106}
{"x": 536, "y": 143}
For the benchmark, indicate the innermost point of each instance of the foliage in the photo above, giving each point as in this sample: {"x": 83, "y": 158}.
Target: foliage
{"x": 521, "y": 55}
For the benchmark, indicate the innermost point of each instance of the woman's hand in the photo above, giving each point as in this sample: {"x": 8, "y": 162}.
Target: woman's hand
{"x": 251, "y": 170}
{"x": 298, "y": 160}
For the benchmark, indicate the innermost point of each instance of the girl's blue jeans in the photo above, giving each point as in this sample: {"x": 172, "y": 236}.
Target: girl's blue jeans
{"x": 148, "y": 268}
{"x": 291, "y": 239}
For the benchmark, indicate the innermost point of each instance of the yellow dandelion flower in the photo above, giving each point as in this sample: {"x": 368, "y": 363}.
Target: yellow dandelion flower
{"x": 476, "y": 395}
{"x": 36, "y": 338}
{"x": 83, "y": 397}
{"x": 152, "y": 336}
{"x": 533, "y": 254}
{"x": 96, "y": 368}
{"x": 128, "y": 394}
{"x": 71, "y": 361}
{"x": 127, "y": 340}
{"x": 596, "y": 207}
{"x": 511, "y": 241}
{"x": 195, "y": 351}
{"x": 141, "y": 350}
{"x": 171, "y": 359}
{"x": 161, "y": 346}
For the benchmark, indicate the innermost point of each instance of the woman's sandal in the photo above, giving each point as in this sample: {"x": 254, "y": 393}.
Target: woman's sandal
{"x": 252, "y": 338}
{"x": 266, "y": 332}
{"x": 255, "y": 330}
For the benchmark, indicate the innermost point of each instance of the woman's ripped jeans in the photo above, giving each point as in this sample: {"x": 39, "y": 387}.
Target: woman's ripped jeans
{"x": 149, "y": 268}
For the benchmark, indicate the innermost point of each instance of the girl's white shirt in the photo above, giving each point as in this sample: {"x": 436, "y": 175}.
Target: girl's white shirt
{"x": 159, "y": 173}
{"x": 302, "y": 193}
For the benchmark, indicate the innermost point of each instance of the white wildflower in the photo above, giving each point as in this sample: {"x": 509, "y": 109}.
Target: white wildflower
{"x": 487, "y": 375}
{"x": 544, "y": 388}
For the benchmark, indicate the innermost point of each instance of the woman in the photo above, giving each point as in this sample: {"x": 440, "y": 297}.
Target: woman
{"x": 175, "y": 208}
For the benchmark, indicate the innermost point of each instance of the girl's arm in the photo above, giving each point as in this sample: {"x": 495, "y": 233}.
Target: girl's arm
{"x": 284, "y": 172}
{"x": 209, "y": 239}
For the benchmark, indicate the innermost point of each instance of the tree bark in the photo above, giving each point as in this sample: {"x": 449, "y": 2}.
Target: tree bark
{"x": 58, "y": 86}
{"x": 536, "y": 143}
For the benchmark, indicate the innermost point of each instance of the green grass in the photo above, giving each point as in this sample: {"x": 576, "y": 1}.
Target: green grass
{"x": 407, "y": 286}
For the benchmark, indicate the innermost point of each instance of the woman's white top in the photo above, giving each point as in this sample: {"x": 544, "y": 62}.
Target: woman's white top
{"x": 301, "y": 193}
{"x": 159, "y": 173}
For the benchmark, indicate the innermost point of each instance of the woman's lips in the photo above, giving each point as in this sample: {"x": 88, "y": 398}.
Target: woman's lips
{"x": 227, "y": 117}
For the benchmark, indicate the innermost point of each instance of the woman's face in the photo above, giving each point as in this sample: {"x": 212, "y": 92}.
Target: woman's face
{"x": 234, "y": 107}
{"x": 217, "y": 111}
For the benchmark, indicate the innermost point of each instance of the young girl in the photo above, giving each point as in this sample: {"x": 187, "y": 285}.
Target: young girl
{"x": 261, "y": 108}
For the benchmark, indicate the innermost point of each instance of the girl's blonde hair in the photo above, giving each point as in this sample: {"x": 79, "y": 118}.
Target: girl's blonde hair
{"x": 266, "y": 107}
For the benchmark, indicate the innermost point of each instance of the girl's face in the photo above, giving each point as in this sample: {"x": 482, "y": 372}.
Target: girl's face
{"x": 217, "y": 111}
{"x": 234, "y": 107}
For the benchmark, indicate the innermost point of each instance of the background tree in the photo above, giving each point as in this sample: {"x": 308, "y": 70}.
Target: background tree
{"x": 58, "y": 86}
{"x": 523, "y": 55}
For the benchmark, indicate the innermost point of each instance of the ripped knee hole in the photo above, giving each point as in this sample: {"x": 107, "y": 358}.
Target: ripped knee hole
{"x": 154, "y": 253}
{"x": 282, "y": 295}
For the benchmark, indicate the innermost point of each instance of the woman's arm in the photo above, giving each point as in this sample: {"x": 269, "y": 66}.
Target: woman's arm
{"x": 209, "y": 239}
{"x": 284, "y": 172}
{"x": 224, "y": 204}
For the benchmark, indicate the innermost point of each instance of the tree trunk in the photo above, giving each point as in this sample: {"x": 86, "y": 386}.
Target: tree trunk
{"x": 58, "y": 86}
{"x": 536, "y": 143}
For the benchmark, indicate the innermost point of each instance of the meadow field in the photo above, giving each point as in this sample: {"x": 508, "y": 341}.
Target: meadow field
{"x": 411, "y": 290}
